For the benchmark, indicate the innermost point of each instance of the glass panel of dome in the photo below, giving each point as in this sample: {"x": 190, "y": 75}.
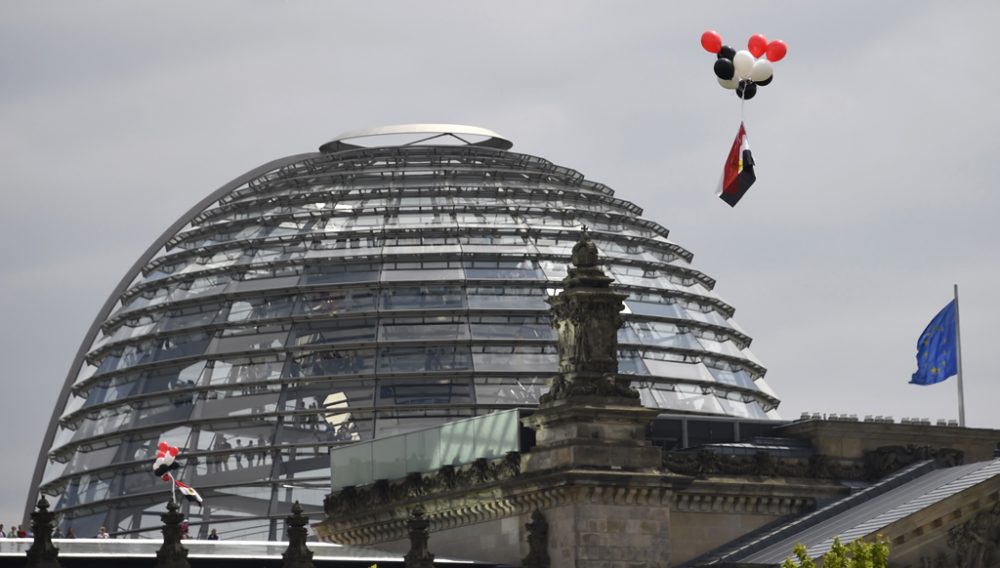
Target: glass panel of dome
{"x": 722, "y": 347}
{"x": 423, "y": 297}
{"x": 652, "y": 309}
{"x": 341, "y": 273}
{"x": 503, "y": 270}
{"x": 710, "y": 316}
{"x": 139, "y": 482}
{"x": 53, "y": 470}
{"x": 248, "y": 341}
{"x": 429, "y": 328}
{"x": 511, "y": 327}
{"x": 553, "y": 270}
{"x": 738, "y": 378}
{"x": 348, "y": 330}
{"x": 677, "y": 370}
{"x": 507, "y": 390}
{"x": 342, "y": 362}
{"x": 423, "y": 359}
{"x": 244, "y": 369}
{"x": 743, "y": 409}
{"x": 631, "y": 363}
{"x": 333, "y": 302}
{"x": 663, "y": 334}
{"x": 73, "y": 403}
{"x": 515, "y": 358}
{"x": 429, "y": 274}
{"x": 423, "y": 391}
{"x": 185, "y": 345}
{"x": 688, "y": 402}
{"x": 507, "y": 297}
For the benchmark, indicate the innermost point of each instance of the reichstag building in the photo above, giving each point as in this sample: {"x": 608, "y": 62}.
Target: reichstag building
{"x": 394, "y": 280}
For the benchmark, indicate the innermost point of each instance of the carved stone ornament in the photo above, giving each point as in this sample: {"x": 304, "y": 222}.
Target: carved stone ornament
{"x": 876, "y": 464}
{"x": 297, "y": 555}
{"x": 538, "y": 542}
{"x": 887, "y": 459}
{"x": 172, "y": 554}
{"x": 586, "y": 317}
{"x": 972, "y": 544}
{"x": 418, "y": 556}
{"x": 42, "y": 554}
{"x": 351, "y": 500}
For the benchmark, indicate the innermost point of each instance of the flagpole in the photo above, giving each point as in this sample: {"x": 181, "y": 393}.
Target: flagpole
{"x": 958, "y": 353}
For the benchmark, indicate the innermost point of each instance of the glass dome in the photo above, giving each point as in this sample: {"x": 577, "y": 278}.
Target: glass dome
{"x": 353, "y": 293}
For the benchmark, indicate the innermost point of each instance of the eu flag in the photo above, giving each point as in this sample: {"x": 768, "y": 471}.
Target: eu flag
{"x": 937, "y": 357}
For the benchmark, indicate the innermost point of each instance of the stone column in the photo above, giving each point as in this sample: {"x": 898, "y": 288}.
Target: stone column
{"x": 297, "y": 555}
{"x": 172, "y": 554}
{"x": 419, "y": 556}
{"x": 613, "y": 504}
{"x": 42, "y": 554}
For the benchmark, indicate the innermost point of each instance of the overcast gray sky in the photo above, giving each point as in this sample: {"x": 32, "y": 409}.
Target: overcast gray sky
{"x": 876, "y": 150}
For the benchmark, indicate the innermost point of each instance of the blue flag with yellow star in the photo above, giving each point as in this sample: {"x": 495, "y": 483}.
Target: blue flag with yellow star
{"x": 937, "y": 349}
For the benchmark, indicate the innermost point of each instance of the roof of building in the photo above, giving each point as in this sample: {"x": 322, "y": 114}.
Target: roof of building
{"x": 858, "y": 515}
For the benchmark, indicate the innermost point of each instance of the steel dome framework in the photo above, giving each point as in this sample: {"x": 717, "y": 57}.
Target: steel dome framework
{"x": 337, "y": 296}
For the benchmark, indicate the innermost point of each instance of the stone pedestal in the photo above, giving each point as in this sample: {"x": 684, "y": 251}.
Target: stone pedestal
{"x": 591, "y": 432}
{"x": 610, "y": 502}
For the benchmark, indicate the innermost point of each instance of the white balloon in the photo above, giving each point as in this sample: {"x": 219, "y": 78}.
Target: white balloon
{"x": 729, "y": 83}
{"x": 743, "y": 62}
{"x": 762, "y": 70}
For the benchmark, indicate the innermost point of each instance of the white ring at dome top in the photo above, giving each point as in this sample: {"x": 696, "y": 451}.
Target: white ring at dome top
{"x": 458, "y": 132}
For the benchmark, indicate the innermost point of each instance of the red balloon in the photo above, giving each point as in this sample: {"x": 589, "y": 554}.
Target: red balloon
{"x": 166, "y": 477}
{"x": 776, "y": 50}
{"x": 757, "y": 45}
{"x": 173, "y": 451}
{"x": 160, "y": 455}
{"x": 164, "y": 446}
{"x": 711, "y": 41}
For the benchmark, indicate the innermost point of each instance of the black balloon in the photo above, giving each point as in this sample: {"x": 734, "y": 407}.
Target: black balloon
{"x": 726, "y": 52}
{"x": 724, "y": 69}
{"x": 765, "y": 82}
{"x": 746, "y": 90}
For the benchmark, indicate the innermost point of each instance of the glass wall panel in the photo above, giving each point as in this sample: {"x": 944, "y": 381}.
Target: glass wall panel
{"x": 341, "y": 273}
{"x": 423, "y": 392}
{"x": 424, "y": 359}
{"x": 651, "y": 309}
{"x": 332, "y": 303}
{"x": 423, "y": 298}
{"x": 438, "y": 328}
{"x": 507, "y": 298}
{"x": 510, "y": 390}
{"x": 237, "y": 370}
{"x": 503, "y": 270}
{"x": 342, "y": 362}
{"x": 347, "y": 330}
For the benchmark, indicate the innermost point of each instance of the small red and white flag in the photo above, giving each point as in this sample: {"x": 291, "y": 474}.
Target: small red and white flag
{"x": 738, "y": 174}
{"x": 188, "y": 492}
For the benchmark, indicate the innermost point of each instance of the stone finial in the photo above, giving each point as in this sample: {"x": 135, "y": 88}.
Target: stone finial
{"x": 297, "y": 555}
{"x": 584, "y": 251}
{"x": 586, "y": 317}
{"x": 538, "y": 542}
{"x": 42, "y": 554}
{"x": 418, "y": 556}
{"x": 172, "y": 554}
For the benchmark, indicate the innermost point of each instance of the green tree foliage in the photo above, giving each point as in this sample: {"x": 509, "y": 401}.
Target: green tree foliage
{"x": 858, "y": 554}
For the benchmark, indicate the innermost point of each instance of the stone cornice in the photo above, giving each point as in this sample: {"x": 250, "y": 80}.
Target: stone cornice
{"x": 875, "y": 464}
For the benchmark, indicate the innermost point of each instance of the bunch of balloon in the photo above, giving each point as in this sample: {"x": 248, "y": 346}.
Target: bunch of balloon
{"x": 165, "y": 457}
{"x": 745, "y": 70}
